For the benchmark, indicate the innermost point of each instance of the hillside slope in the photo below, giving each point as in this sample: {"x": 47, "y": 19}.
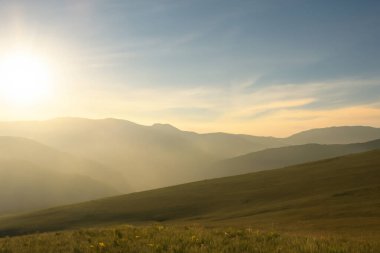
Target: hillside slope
{"x": 35, "y": 176}
{"x": 286, "y": 156}
{"x": 340, "y": 194}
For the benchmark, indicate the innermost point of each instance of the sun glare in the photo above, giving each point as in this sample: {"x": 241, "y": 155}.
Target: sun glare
{"x": 24, "y": 79}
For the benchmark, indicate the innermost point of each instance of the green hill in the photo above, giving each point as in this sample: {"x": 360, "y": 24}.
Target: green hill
{"x": 340, "y": 194}
{"x": 286, "y": 156}
{"x": 35, "y": 176}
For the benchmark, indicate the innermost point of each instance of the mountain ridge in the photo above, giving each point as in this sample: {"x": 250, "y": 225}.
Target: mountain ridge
{"x": 147, "y": 157}
{"x": 286, "y": 156}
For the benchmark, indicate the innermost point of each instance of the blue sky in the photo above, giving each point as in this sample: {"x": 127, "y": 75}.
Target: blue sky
{"x": 202, "y": 64}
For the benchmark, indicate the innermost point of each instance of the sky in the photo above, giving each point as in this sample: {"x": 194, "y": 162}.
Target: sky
{"x": 268, "y": 67}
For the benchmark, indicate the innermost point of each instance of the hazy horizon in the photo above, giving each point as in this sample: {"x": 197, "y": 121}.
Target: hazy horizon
{"x": 252, "y": 133}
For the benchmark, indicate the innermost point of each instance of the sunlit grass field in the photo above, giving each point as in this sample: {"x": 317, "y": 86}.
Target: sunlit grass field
{"x": 159, "y": 238}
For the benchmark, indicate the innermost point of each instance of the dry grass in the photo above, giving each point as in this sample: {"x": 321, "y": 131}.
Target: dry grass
{"x": 158, "y": 238}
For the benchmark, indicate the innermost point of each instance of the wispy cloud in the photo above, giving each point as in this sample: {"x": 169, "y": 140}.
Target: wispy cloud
{"x": 215, "y": 107}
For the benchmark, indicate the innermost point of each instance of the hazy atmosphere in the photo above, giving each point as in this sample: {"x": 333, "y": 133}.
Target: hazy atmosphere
{"x": 189, "y": 126}
{"x": 255, "y": 67}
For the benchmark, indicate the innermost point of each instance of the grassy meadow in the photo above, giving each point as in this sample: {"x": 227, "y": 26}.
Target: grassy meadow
{"x": 171, "y": 239}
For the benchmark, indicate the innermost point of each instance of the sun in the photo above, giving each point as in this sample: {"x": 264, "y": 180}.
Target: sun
{"x": 25, "y": 79}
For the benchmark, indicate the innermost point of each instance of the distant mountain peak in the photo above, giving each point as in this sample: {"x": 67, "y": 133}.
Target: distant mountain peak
{"x": 334, "y": 128}
{"x": 166, "y": 127}
{"x": 336, "y": 135}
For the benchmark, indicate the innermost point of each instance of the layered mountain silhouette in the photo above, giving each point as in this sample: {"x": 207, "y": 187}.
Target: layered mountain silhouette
{"x": 286, "y": 156}
{"x": 35, "y": 176}
{"x": 147, "y": 157}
